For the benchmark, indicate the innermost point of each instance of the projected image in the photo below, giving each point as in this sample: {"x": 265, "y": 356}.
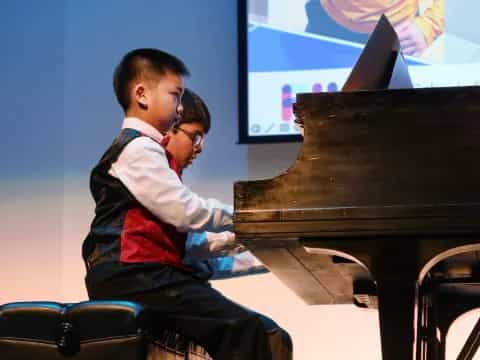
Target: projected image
{"x": 297, "y": 46}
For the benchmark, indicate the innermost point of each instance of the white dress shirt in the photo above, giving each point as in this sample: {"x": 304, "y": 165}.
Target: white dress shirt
{"x": 144, "y": 170}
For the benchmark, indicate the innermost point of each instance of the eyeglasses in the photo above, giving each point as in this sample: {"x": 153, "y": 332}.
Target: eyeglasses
{"x": 197, "y": 139}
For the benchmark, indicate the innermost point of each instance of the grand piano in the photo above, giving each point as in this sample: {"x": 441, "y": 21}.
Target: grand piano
{"x": 383, "y": 197}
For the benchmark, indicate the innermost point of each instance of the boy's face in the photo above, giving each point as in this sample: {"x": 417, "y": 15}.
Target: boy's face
{"x": 182, "y": 143}
{"x": 163, "y": 99}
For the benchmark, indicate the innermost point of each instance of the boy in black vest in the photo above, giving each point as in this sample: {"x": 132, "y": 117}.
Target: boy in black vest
{"x": 136, "y": 244}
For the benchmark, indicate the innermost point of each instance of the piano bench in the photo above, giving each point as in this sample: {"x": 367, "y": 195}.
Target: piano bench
{"x": 90, "y": 330}
{"x": 447, "y": 301}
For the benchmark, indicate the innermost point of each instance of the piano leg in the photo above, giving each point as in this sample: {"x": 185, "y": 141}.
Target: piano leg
{"x": 396, "y": 307}
{"x": 429, "y": 347}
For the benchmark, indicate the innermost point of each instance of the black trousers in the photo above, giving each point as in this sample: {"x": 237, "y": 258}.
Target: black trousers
{"x": 224, "y": 328}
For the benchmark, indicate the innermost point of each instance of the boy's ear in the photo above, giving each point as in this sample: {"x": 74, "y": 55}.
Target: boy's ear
{"x": 140, "y": 95}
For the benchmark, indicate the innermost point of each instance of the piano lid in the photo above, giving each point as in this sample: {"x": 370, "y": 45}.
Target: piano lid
{"x": 381, "y": 64}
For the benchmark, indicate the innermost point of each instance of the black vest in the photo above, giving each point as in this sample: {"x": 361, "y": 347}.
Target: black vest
{"x": 106, "y": 275}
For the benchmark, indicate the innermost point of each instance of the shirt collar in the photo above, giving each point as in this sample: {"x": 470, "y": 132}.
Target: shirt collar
{"x": 143, "y": 127}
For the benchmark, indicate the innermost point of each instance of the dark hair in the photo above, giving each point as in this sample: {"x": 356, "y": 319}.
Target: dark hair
{"x": 143, "y": 63}
{"x": 194, "y": 111}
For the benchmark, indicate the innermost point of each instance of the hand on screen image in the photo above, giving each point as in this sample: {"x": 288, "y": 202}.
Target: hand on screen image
{"x": 412, "y": 39}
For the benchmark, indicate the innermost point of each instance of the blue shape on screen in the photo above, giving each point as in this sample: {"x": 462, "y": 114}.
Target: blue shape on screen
{"x": 274, "y": 50}
{"x": 332, "y": 87}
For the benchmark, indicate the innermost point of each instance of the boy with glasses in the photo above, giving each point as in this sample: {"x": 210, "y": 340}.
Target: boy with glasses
{"x": 216, "y": 255}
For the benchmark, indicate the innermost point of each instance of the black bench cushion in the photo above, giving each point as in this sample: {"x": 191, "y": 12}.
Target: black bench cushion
{"x": 87, "y": 330}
